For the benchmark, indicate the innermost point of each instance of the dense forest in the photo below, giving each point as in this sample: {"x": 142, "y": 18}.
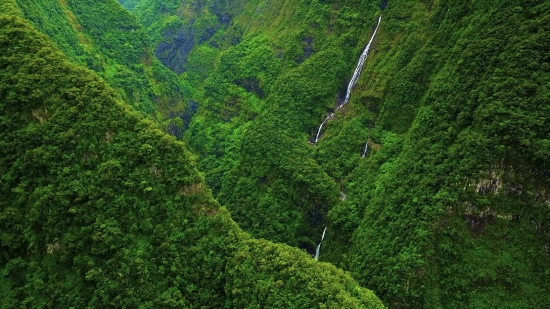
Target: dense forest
{"x": 106, "y": 38}
{"x": 101, "y": 209}
{"x": 134, "y": 133}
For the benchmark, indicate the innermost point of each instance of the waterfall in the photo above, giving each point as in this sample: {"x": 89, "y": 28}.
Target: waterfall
{"x": 321, "y": 126}
{"x": 359, "y": 67}
{"x": 365, "y": 149}
{"x": 317, "y": 251}
{"x": 352, "y": 82}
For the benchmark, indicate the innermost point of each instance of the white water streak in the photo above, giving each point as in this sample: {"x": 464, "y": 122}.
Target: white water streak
{"x": 359, "y": 67}
{"x": 353, "y": 80}
{"x": 343, "y": 195}
{"x": 365, "y": 149}
{"x": 318, "y": 250}
{"x": 321, "y": 126}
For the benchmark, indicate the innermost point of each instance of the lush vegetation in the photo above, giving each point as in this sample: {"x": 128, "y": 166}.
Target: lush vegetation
{"x": 101, "y": 209}
{"x": 448, "y": 208}
{"x": 107, "y": 39}
{"x": 262, "y": 89}
{"x": 455, "y": 218}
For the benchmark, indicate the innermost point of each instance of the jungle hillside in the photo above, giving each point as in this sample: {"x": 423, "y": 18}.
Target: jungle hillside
{"x": 275, "y": 154}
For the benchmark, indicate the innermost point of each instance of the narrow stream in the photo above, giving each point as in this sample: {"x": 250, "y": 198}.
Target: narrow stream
{"x": 351, "y": 84}
{"x": 318, "y": 250}
{"x": 365, "y": 150}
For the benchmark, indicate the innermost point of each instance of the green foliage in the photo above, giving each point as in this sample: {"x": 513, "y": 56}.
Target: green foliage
{"x": 273, "y": 187}
{"x": 107, "y": 39}
{"x": 100, "y": 209}
{"x": 449, "y": 217}
{"x": 275, "y": 286}
{"x": 448, "y": 209}
{"x": 262, "y": 88}
{"x": 453, "y": 104}
{"x": 176, "y": 27}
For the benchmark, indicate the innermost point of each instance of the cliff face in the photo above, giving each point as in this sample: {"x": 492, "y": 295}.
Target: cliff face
{"x": 178, "y": 26}
{"x": 99, "y": 208}
{"x": 129, "y": 4}
{"x": 270, "y": 70}
{"x": 447, "y": 208}
{"x": 432, "y": 181}
{"x": 108, "y": 39}
{"x": 453, "y": 215}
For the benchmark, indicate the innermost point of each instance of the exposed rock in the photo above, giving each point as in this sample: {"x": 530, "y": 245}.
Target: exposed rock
{"x": 477, "y": 223}
{"x": 174, "y": 51}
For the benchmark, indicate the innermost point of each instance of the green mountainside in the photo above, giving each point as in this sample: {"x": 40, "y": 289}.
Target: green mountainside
{"x": 433, "y": 181}
{"x": 263, "y": 80}
{"x": 457, "y": 209}
{"x": 101, "y": 209}
{"x": 449, "y": 206}
{"x": 107, "y": 39}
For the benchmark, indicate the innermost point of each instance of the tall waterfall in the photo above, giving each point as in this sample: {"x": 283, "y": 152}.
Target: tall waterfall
{"x": 353, "y": 80}
{"x": 360, "y": 63}
{"x": 317, "y": 251}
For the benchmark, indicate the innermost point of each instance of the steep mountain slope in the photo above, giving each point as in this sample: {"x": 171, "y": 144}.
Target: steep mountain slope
{"x": 456, "y": 207}
{"x": 263, "y": 81}
{"x": 177, "y": 26}
{"x": 449, "y": 206}
{"x": 107, "y": 39}
{"x": 100, "y": 209}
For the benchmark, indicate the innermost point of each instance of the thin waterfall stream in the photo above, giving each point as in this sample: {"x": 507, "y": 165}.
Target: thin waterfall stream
{"x": 352, "y": 82}
{"x": 365, "y": 149}
{"x": 318, "y": 250}
{"x": 343, "y": 195}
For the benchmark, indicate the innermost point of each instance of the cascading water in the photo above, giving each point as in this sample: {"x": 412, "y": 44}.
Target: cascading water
{"x": 321, "y": 126}
{"x": 365, "y": 150}
{"x": 318, "y": 250}
{"x": 353, "y": 80}
{"x": 359, "y": 67}
{"x": 351, "y": 84}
